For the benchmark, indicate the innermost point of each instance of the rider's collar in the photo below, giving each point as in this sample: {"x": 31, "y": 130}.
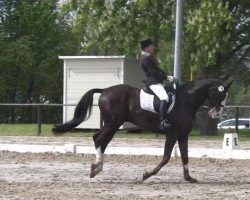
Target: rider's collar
{"x": 144, "y": 53}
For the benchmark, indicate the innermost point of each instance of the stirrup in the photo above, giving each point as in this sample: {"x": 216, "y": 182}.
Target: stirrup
{"x": 165, "y": 124}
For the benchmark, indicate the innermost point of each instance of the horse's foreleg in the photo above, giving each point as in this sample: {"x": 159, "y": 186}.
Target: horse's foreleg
{"x": 169, "y": 144}
{"x": 183, "y": 145}
{"x": 164, "y": 161}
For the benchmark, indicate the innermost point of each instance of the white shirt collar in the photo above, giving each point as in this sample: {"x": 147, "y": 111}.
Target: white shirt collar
{"x": 144, "y": 53}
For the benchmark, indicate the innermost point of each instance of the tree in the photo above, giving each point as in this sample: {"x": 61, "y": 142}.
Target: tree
{"x": 33, "y": 34}
{"x": 217, "y": 42}
{"x": 116, "y": 27}
{"x": 215, "y": 38}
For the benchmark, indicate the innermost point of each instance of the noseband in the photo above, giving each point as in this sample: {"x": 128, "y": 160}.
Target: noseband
{"x": 206, "y": 107}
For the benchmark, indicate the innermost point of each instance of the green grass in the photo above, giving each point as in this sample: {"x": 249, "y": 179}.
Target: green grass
{"x": 23, "y": 129}
{"x": 32, "y": 130}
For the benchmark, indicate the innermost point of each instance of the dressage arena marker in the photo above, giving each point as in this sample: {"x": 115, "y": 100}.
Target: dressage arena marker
{"x": 230, "y": 141}
{"x": 73, "y": 148}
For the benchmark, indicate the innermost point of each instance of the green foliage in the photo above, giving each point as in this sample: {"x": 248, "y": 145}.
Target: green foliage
{"x": 238, "y": 95}
{"x": 215, "y": 35}
{"x": 203, "y": 28}
{"x": 33, "y": 34}
{"x": 116, "y": 27}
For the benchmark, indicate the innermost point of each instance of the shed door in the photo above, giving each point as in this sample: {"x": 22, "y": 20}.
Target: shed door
{"x": 84, "y": 75}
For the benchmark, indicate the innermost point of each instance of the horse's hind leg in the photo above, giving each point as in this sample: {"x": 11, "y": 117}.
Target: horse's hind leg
{"x": 97, "y": 166}
{"x": 183, "y": 145}
{"x": 169, "y": 144}
{"x": 101, "y": 140}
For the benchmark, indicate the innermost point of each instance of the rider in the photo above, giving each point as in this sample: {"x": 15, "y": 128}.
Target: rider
{"x": 155, "y": 77}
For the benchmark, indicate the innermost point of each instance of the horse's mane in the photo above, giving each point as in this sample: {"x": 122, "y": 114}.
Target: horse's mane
{"x": 195, "y": 84}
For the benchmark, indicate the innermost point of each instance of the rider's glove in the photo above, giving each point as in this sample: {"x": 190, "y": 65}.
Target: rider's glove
{"x": 170, "y": 78}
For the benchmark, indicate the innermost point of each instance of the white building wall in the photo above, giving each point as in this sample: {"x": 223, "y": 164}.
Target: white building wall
{"x": 84, "y": 73}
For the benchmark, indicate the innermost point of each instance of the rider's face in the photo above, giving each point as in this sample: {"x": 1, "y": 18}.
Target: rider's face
{"x": 150, "y": 49}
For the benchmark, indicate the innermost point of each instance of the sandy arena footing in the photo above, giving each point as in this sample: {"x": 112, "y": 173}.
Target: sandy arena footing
{"x": 29, "y": 176}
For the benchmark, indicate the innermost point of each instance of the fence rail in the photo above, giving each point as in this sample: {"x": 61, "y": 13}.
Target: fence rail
{"x": 39, "y": 105}
{"x": 237, "y": 106}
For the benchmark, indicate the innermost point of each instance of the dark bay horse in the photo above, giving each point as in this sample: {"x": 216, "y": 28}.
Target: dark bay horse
{"x": 121, "y": 103}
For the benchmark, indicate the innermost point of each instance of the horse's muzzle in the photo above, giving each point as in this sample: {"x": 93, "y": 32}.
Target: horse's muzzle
{"x": 214, "y": 113}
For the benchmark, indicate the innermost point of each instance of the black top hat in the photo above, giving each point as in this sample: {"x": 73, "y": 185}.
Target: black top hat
{"x": 145, "y": 43}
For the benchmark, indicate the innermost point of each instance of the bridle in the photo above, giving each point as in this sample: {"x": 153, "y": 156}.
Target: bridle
{"x": 206, "y": 107}
{"x": 213, "y": 109}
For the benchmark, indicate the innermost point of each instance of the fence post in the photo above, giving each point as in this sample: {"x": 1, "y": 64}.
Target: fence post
{"x": 39, "y": 120}
{"x": 237, "y": 120}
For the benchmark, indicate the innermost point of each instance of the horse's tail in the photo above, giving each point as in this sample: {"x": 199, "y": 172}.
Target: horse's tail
{"x": 82, "y": 112}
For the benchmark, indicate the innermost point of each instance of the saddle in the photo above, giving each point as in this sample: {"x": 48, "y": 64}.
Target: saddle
{"x": 150, "y": 102}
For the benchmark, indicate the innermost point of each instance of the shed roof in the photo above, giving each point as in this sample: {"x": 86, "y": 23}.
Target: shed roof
{"x": 90, "y": 57}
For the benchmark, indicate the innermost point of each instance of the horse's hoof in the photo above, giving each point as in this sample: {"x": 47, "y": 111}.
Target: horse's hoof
{"x": 92, "y": 169}
{"x": 92, "y": 175}
{"x": 145, "y": 176}
{"x": 191, "y": 180}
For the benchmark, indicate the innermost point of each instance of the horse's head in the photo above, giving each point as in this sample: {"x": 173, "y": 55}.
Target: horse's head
{"x": 216, "y": 97}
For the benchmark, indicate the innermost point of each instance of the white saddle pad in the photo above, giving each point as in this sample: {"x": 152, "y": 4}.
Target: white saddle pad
{"x": 147, "y": 102}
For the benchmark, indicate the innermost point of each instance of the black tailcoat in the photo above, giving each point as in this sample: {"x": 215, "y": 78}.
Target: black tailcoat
{"x": 153, "y": 72}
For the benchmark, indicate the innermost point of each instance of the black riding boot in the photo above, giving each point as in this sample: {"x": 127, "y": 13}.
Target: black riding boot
{"x": 164, "y": 123}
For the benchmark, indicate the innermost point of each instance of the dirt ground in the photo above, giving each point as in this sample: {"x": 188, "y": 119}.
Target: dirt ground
{"x": 66, "y": 176}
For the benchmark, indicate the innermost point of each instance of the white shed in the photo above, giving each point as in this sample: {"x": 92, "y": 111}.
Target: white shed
{"x": 82, "y": 73}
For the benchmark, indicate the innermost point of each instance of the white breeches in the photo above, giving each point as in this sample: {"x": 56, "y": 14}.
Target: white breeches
{"x": 160, "y": 91}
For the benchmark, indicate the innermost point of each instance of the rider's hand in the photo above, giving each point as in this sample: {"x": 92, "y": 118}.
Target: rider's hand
{"x": 170, "y": 78}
